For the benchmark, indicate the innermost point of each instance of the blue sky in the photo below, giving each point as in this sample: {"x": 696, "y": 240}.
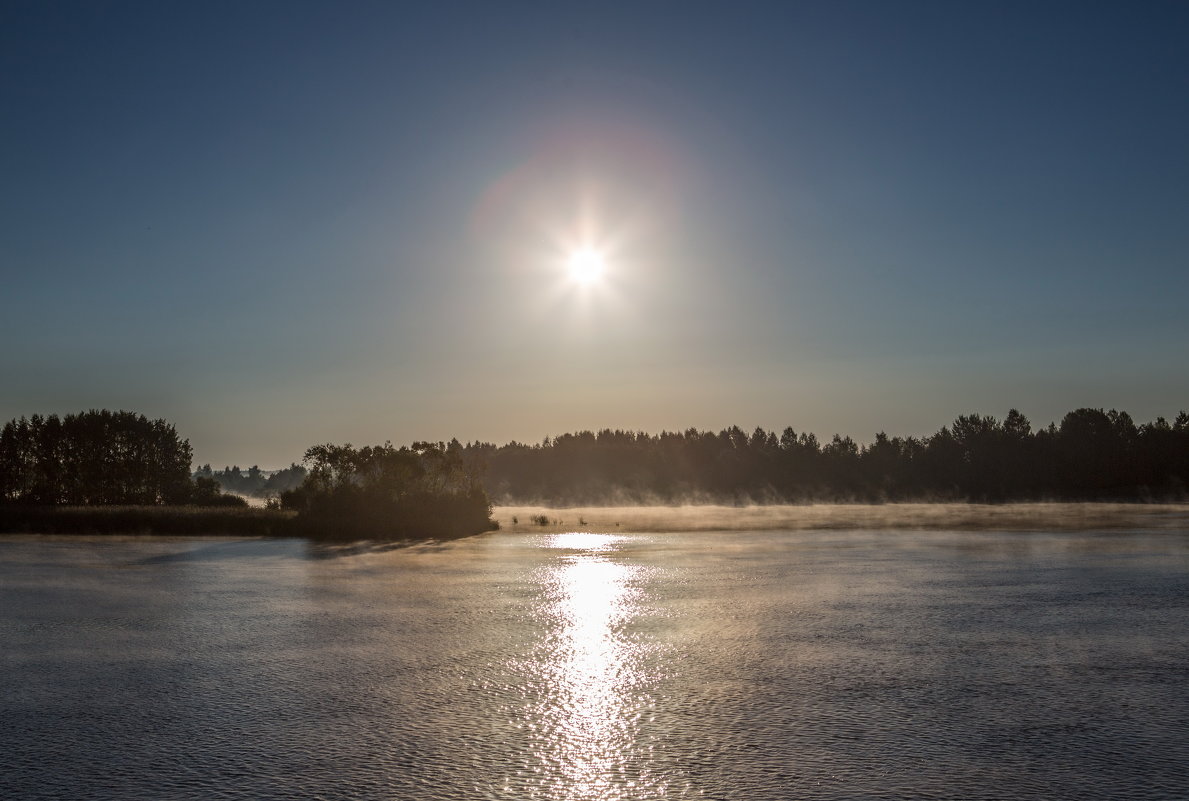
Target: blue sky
{"x": 283, "y": 224}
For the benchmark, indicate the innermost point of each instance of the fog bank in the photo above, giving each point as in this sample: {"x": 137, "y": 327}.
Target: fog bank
{"x": 964, "y": 516}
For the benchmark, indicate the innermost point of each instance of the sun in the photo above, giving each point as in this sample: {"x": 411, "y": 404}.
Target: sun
{"x": 586, "y": 265}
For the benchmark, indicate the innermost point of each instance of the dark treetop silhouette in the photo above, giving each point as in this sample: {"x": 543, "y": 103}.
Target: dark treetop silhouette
{"x": 102, "y": 458}
{"x": 1092, "y": 455}
{"x": 387, "y": 492}
{"x": 94, "y": 458}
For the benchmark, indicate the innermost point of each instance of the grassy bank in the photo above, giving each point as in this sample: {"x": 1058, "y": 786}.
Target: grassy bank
{"x": 198, "y": 521}
{"x": 159, "y": 520}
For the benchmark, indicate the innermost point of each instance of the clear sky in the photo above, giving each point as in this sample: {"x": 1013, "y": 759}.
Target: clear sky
{"x": 278, "y": 225}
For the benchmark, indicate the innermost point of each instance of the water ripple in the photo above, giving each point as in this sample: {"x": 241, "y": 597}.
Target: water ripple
{"x": 598, "y": 666}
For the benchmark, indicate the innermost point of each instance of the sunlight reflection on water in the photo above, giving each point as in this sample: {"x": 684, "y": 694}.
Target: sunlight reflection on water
{"x": 765, "y": 666}
{"x": 590, "y": 717}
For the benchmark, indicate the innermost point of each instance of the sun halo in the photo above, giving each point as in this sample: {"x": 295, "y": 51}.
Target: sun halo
{"x": 586, "y": 265}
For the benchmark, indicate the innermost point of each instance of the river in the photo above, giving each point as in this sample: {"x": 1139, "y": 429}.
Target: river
{"x": 711, "y": 665}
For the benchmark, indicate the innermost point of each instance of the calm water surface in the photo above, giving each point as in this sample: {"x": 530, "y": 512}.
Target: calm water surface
{"x": 766, "y": 665}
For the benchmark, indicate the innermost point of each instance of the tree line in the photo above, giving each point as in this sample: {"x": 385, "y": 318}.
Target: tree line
{"x": 254, "y": 481}
{"x": 1091, "y": 455}
{"x": 60, "y": 473}
{"x": 95, "y": 458}
{"x": 109, "y": 458}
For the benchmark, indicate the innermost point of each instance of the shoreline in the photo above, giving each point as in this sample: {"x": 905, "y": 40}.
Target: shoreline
{"x": 191, "y": 521}
{"x": 172, "y": 521}
{"x": 1015, "y": 516}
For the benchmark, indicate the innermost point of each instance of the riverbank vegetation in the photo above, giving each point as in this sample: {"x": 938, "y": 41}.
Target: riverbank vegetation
{"x": 156, "y": 520}
{"x": 1092, "y": 455}
{"x": 389, "y": 493}
{"x": 117, "y": 472}
{"x": 96, "y": 458}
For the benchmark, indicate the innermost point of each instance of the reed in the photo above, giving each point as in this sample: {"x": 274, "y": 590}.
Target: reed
{"x": 163, "y": 520}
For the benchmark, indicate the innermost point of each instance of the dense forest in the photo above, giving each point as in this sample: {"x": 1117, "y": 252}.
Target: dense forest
{"x": 1092, "y": 455}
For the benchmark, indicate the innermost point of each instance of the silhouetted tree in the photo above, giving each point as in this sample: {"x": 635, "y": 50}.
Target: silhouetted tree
{"x": 1094, "y": 454}
{"x": 382, "y": 492}
{"x": 95, "y": 457}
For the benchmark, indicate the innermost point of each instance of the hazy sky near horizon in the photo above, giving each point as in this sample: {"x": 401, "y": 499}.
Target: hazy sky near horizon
{"x": 283, "y": 224}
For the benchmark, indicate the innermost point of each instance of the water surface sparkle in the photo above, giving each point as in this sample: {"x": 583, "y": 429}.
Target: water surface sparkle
{"x": 766, "y": 666}
{"x": 588, "y": 720}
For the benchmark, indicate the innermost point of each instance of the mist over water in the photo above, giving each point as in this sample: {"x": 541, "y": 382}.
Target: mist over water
{"x": 814, "y": 664}
{"x": 920, "y": 516}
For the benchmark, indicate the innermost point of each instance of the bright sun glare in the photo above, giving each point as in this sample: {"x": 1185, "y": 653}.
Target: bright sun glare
{"x": 586, "y": 265}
